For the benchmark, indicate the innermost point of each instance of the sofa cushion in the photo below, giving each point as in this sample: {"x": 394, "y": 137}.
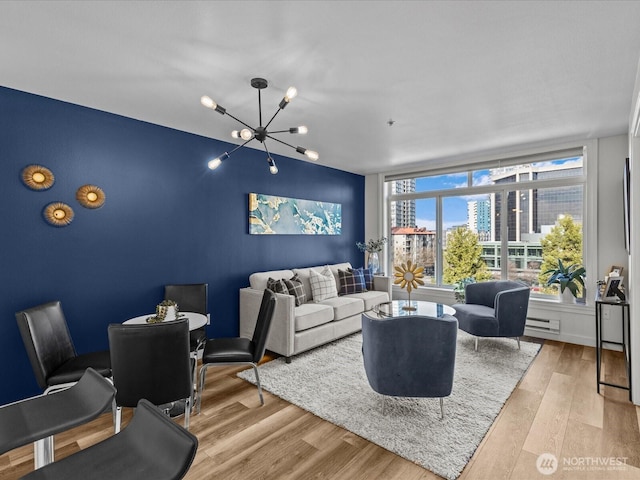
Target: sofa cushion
{"x": 277, "y": 286}
{"x": 478, "y": 319}
{"x": 372, "y": 298}
{"x": 311, "y": 315}
{"x": 358, "y": 273}
{"x": 323, "y": 285}
{"x": 304, "y": 274}
{"x": 258, "y": 280}
{"x": 295, "y": 288}
{"x": 345, "y": 306}
{"x": 350, "y": 282}
{"x": 334, "y": 269}
{"x": 368, "y": 276}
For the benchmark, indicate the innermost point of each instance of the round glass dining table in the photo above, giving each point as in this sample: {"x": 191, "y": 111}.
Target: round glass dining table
{"x": 196, "y": 320}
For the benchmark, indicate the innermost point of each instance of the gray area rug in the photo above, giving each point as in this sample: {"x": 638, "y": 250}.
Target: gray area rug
{"x": 331, "y": 383}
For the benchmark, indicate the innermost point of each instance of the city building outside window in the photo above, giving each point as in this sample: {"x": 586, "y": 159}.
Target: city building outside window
{"x": 490, "y": 223}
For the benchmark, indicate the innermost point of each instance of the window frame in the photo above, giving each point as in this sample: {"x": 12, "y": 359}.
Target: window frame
{"x": 588, "y": 180}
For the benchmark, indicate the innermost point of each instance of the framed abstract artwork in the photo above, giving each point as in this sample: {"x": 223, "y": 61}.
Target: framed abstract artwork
{"x": 269, "y": 214}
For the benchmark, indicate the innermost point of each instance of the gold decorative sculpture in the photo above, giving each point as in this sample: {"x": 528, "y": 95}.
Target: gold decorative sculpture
{"x": 37, "y": 177}
{"x": 408, "y": 275}
{"x": 58, "y": 214}
{"x": 90, "y": 196}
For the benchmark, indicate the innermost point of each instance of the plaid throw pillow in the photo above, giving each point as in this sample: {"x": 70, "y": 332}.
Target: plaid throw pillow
{"x": 295, "y": 287}
{"x": 277, "y": 286}
{"x": 323, "y": 285}
{"x": 350, "y": 282}
{"x": 367, "y": 276}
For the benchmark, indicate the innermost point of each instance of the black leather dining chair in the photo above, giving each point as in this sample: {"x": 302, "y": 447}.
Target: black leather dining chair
{"x": 38, "y": 419}
{"x": 240, "y": 350}
{"x": 53, "y": 357}
{"x": 153, "y": 362}
{"x": 191, "y": 297}
{"x": 152, "y": 446}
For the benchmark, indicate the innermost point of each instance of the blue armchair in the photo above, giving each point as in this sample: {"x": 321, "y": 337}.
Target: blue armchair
{"x": 494, "y": 309}
{"x": 410, "y": 356}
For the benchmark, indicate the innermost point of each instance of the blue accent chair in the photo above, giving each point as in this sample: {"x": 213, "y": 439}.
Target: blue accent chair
{"x": 410, "y": 356}
{"x": 494, "y": 309}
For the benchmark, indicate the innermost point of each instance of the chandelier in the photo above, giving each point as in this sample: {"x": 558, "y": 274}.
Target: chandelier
{"x": 260, "y": 133}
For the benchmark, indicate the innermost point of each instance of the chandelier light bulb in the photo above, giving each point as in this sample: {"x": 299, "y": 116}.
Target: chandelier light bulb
{"x": 215, "y": 163}
{"x": 301, "y": 130}
{"x": 246, "y": 134}
{"x": 235, "y": 134}
{"x": 312, "y": 155}
{"x": 291, "y": 93}
{"x": 272, "y": 166}
{"x": 208, "y": 102}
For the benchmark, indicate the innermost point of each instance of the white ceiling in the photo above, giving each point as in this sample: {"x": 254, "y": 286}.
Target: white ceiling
{"x": 458, "y": 78}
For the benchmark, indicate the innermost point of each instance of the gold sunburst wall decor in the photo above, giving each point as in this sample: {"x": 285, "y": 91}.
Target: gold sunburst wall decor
{"x": 37, "y": 177}
{"x": 90, "y": 196}
{"x": 58, "y": 214}
{"x": 408, "y": 275}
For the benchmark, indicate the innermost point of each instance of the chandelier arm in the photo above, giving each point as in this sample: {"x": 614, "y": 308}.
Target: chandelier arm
{"x": 240, "y": 146}
{"x": 274, "y": 116}
{"x": 259, "y": 108}
{"x": 278, "y": 140}
{"x": 281, "y": 131}
{"x": 240, "y": 121}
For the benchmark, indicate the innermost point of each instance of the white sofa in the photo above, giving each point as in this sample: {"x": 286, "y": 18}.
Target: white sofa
{"x": 297, "y": 329}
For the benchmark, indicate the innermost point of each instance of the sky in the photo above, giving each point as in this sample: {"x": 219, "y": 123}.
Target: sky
{"x": 455, "y": 208}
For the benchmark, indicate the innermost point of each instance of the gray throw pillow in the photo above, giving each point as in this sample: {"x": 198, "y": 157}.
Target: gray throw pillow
{"x": 295, "y": 288}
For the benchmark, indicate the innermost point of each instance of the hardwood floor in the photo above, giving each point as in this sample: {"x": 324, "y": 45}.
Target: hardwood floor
{"x": 555, "y": 409}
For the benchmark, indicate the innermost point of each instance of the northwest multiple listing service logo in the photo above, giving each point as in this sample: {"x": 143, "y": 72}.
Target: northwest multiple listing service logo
{"x": 548, "y": 464}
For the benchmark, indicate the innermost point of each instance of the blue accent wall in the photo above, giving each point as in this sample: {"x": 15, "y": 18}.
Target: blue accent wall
{"x": 167, "y": 219}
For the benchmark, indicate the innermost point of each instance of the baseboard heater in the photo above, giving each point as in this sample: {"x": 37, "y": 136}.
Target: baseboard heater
{"x": 544, "y": 325}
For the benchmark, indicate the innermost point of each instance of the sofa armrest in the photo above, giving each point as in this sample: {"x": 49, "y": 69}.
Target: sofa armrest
{"x": 382, "y": 283}
{"x": 281, "y": 332}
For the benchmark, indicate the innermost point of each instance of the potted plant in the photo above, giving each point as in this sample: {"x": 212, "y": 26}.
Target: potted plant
{"x": 372, "y": 247}
{"x": 459, "y": 286}
{"x": 570, "y": 276}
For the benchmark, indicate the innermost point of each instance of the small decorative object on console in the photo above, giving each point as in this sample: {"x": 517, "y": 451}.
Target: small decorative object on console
{"x": 613, "y": 289}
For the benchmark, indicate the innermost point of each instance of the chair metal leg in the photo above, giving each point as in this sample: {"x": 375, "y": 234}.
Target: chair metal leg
{"x": 194, "y": 379}
{"x": 518, "y": 339}
{"x": 187, "y": 412}
{"x": 255, "y": 369}
{"x": 43, "y": 452}
{"x": 203, "y": 372}
{"x": 441, "y": 408}
{"x": 476, "y": 344}
{"x": 118, "y": 419}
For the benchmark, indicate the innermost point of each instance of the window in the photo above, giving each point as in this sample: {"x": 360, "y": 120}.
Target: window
{"x": 502, "y": 221}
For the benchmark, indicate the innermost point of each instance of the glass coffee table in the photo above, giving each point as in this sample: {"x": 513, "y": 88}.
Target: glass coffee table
{"x": 399, "y": 308}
